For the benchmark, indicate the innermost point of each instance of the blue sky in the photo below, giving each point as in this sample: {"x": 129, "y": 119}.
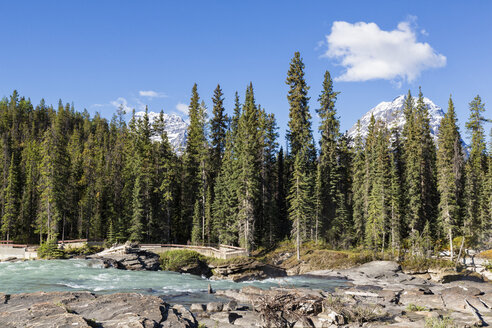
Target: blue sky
{"x": 100, "y": 53}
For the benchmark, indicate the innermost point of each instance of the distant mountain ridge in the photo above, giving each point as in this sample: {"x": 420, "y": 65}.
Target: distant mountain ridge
{"x": 391, "y": 112}
{"x": 175, "y": 127}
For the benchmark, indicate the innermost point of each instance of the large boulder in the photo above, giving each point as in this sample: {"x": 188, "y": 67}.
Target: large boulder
{"x": 247, "y": 271}
{"x": 130, "y": 258}
{"x": 83, "y": 309}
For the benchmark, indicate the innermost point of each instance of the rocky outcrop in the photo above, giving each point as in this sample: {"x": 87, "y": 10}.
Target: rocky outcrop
{"x": 198, "y": 268}
{"x": 83, "y": 309}
{"x": 129, "y": 258}
{"x": 247, "y": 271}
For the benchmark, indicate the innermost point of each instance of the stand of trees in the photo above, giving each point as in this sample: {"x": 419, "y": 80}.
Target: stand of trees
{"x": 68, "y": 175}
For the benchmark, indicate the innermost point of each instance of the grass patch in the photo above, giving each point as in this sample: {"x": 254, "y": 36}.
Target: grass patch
{"x": 445, "y": 322}
{"x": 418, "y": 263}
{"x": 486, "y": 254}
{"x": 413, "y": 308}
{"x": 234, "y": 260}
{"x": 83, "y": 250}
{"x": 317, "y": 256}
{"x": 176, "y": 259}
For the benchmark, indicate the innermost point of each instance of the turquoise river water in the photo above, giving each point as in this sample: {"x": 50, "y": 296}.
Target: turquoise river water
{"x": 89, "y": 275}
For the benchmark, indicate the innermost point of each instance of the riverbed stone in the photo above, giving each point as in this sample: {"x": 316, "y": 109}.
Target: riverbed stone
{"x": 62, "y": 309}
{"x": 230, "y": 306}
{"x": 215, "y": 307}
{"x": 197, "y": 307}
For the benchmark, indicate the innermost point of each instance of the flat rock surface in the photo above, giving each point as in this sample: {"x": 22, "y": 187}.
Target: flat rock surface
{"x": 83, "y": 309}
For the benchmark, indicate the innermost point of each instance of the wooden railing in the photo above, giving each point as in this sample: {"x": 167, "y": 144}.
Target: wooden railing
{"x": 214, "y": 250}
{"x": 72, "y": 241}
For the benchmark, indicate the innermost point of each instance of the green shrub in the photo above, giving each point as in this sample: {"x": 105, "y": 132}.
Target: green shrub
{"x": 445, "y": 322}
{"x": 83, "y": 250}
{"x": 176, "y": 259}
{"x": 413, "y": 307}
{"x": 50, "y": 250}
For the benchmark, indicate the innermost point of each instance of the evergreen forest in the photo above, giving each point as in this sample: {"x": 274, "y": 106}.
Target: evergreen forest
{"x": 67, "y": 175}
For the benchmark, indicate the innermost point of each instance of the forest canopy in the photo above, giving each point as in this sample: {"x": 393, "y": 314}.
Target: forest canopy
{"x": 68, "y": 175}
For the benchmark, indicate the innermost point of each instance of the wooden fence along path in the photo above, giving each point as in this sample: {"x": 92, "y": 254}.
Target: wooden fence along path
{"x": 9, "y": 249}
{"x": 218, "y": 251}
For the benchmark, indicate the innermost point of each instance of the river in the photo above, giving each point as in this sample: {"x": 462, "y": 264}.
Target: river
{"x": 89, "y": 275}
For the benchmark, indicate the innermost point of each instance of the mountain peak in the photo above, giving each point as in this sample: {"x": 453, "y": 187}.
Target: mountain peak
{"x": 175, "y": 128}
{"x": 391, "y": 112}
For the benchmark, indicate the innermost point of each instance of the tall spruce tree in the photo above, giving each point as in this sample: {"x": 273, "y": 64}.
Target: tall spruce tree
{"x": 300, "y": 207}
{"x": 299, "y": 133}
{"x": 329, "y": 179}
{"x": 476, "y": 216}
{"x": 193, "y": 162}
{"x": 420, "y": 171}
{"x": 300, "y": 139}
{"x": 379, "y": 196}
{"x": 249, "y": 163}
{"x": 10, "y": 221}
{"x": 358, "y": 175}
{"x": 218, "y": 126}
{"x": 449, "y": 173}
{"x": 396, "y": 191}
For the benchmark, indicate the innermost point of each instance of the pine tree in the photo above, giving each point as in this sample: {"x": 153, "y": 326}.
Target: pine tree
{"x": 300, "y": 135}
{"x": 196, "y": 231}
{"x": 378, "y": 214}
{"x": 449, "y": 173}
{"x": 420, "y": 171}
{"x": 30, "y": 194}
{"x": 225, "y": 205}
{"x": 281, "y": 183}
{"x": 165, "y": 172}
{"x": 476, "y": 218}
{"x": 248, "y": 191}
{"x": 49, "y": 214}
{"x": 10, "y": 223}
{"x": 358, "y": 174}
{"x": 193, "y": 162}
{"x": 328, "y": 161}
{"x": 218, "y": 126}
{"x": 343, "y": 223}
{"x": 136, "y": 226}
{"x": 300, "y": 207}
{"x": 396, "y": 190}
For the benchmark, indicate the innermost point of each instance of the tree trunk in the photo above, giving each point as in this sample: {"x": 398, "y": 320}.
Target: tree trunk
{"x": 298, "y": 241}
{"x": 451, "y": 243}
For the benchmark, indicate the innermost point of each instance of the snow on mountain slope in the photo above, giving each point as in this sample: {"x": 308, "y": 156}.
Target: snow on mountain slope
{"x": 175, "y": 127}
{"x": 391, "y": 112}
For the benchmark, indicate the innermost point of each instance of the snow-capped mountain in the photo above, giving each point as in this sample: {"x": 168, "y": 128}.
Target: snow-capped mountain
{"x": 175, "y": 127}
{"x": 391, "y": 112}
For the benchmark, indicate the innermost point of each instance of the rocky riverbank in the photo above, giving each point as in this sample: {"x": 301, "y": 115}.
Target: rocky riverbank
{"x": 134, "y": 258}
{"x": 377, "y": 294}
{"x": 380, "y": 295}
{"x": 84, "y": 309}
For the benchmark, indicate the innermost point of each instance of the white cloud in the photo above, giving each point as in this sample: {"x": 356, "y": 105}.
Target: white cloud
{"x": 121, "y": 102}
{"x": 183, "y": 108}
{"x": 152, "y": 94}
{"x": 367, "y": 52}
